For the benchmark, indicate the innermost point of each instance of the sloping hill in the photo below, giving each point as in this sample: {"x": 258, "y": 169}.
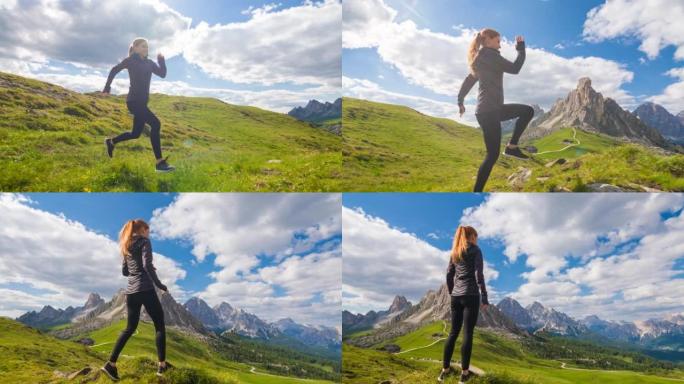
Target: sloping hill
{"x": 395, "y": 148}
{"x": 51, "y": 139}
{"x": 504, "y": 359}
{"x": 27, "y": 355}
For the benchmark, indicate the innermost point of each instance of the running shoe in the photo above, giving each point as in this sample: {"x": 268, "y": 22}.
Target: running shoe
{"x": 110, "y": 371}
{"x": 110, "y": 147}
{"x": 515, "y": 152}
{"x": 164, "y": 166}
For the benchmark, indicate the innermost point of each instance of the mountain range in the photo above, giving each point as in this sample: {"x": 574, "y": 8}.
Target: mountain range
{"x": 510, "y": 317}
{"x": 588, "y": 110}
{"x": 195, "y": 316}
{"x": 225, "y": 318}
{"x": 315, "y": 111}
{"x": 658, "y": 117}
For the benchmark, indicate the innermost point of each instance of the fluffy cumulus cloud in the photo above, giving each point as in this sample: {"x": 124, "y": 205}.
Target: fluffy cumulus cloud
{"x": 299, "y": 44}
{"x": 271, "y": 250}
{"x": 382, "y": 261}
{"x": 437, "y": 61}
{"x": 48, "y": 259}
{"x": 656, "y": 24}
{"x": 591, "y": 253}
{"x": 86, "y": 33}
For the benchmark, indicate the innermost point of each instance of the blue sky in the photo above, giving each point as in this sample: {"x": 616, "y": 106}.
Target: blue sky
{"x": 582, "y": 253}
{"x": 404, "y": 67}
{"x": 236, "y": 248}
{"x": 243, "y": 52}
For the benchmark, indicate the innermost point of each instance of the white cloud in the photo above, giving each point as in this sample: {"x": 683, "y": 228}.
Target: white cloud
{"x": 263, "y": 243}
{"x": 381, "y": 261}
{"x": 300, "y": 45}
{"x": 599, "y": 254}
{"x": 657, "y": 23}
{"x": 672, "y": 97}
{"x": 437, "y": 61}
{"x": 59, "y": 260}
{"x": 88, "y": 33}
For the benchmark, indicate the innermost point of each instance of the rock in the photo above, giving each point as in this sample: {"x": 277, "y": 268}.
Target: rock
{"x": 542, "y": 178}
{"x": 391, "y": 348}
{"x": 561, "y": 189}
{"x": 568, "y": 141}
{"x": 531, "y": 149}
{"x": 576, "y": 164}
{"x": 643, "y": 188}
{"x": 86, "y": 341}
{"x": 601, "y": 187}
{"x": 82, "y": 372}
{"x": 519, "y": 177}
{"x": 59, "y": 374}
{"x": 559, "y": 161}
{"x": 274, "y": 161}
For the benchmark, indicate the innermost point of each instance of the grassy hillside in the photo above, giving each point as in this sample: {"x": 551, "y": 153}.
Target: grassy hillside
{"x": 27, "y": 355}
{"x": 504, "y": 360}
{"x": 51, "y": 139}
{"x": 394, "y": 148}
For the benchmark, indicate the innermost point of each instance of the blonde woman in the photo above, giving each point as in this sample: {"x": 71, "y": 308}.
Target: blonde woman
{"x": 140, "y": 70}
{"x": 488, "y": 66}
{"x": 466, "y": 284}
{"x": 136, "y": 249}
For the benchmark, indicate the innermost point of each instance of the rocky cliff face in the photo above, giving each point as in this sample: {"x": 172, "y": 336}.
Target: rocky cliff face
{"x": 659, "y": 118}
{"x": 355, "y": 322}
{"x": 315, "y": 111}
{"x": 587, "y": 109}
{"x": 49, "y": 316}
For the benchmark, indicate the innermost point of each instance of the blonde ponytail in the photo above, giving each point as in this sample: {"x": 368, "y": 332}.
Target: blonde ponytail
{"x": 476, "y": 44}
{"x": 463, "y": 234}
{"x": 129, "y": 229}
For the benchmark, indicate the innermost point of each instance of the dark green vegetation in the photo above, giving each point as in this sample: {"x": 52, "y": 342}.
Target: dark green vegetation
{"x": 28, "y": 355}
{"x": 394, "y": 148}
{"x": 505, "y": 359}
{"x": 51, "y": 139}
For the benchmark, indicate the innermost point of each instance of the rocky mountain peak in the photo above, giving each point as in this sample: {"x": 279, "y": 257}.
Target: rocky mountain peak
{"x": 586, "y": 109}
{"x": 399, "y": 304}
{"x": 658, "y": 117}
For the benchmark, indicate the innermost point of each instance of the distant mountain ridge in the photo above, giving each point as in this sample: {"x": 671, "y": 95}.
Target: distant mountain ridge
{"x": 588, "y": 110}
{"x": 315, "y": 111}
{"x": 49, "y": 316}
{"x": 225, "y": 318}
{"x": 658, "y": 117}
{"x": 652, "y": 333}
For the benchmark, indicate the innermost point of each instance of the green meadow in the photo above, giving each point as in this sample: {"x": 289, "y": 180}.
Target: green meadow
{"x": 504, "y": 360}
{"x": 51, "y": 139}
{"x": 395, "y": 148}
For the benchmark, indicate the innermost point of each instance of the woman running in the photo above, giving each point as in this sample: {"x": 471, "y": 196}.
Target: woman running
{"x": 140, "y": 70}
{"x": 136, "y": 250}
{"x": 488, "y": 66}
{"x": 466, "y": 284}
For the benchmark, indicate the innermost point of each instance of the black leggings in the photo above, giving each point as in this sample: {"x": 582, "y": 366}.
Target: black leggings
{"x": 134, "y": 302}
{"x": 142, "y": 115}
{"x": 490, "y": 122}
{"x": 464, "y": 309}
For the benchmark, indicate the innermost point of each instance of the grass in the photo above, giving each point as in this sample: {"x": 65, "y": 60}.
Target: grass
{"x": 28, "y": 355}
{"x": 394, "y": 148}
{"x": 51, "y": 139}
{"x": 503, "y": 359}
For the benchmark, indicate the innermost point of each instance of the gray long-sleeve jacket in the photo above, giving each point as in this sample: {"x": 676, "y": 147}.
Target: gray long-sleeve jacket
{"x": 465, "y": 277}
{"x": 489, "y": 68}
{"x": 139, "y": 268}
{"x": 140, "y": 72}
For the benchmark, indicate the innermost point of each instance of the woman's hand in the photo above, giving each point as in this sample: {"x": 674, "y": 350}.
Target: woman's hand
{"x": 484, "y": 306}
{"x": 461, "y": 110}
{"x": 160, "y": 57}
{"x": 519, "y": 39}
{"x": 164, "y": 288}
